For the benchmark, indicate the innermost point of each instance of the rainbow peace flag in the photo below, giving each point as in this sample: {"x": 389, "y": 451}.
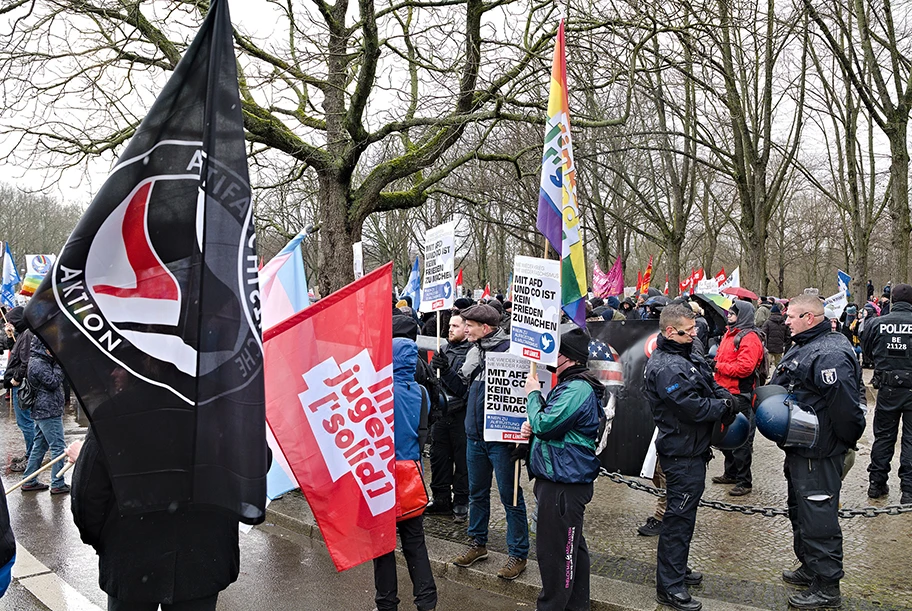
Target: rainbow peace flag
{"x": 558, "y": 213}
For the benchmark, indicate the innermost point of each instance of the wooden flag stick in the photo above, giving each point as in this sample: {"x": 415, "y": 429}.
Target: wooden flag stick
{"x": 38, "y": 472}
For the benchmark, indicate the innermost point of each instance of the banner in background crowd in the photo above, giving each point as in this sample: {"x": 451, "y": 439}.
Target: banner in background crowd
{"x": 835, "y": 305}
{"x": 616, "y": 278}
{"x": 334, "y": 363}
{"x": 413, "y": 286}
{"x": 358, "y": 259}
{"x": 439, "y": 291}
{"x": 536, "y": 309}
{"x": 477, "y": 294}
{"x": 720, "y": 277}
{"x": 734, "y": 280}
{"x": 558, "y": 209}
{"x": 505, "y": 396}
{"x": 618, "y": 355}
{"x": 842, "y": 281}
{"x": 36, "y": 268}
{"x": 486, "y": 293}
{"x": 153, "y": 306}
{"x": 647, "y": 277}
{"x": 9, "y": 279}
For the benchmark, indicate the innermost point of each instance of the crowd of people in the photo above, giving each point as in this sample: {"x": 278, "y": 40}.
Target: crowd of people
{"x": 701, "y": 375}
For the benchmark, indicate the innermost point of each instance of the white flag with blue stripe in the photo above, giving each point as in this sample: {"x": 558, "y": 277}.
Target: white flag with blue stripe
{"x": 413, "y": 287}
{"x": 843, "y": 280}
{"x": 10, "y": 279}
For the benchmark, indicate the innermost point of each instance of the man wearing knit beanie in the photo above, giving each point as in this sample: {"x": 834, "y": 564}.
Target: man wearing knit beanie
{"x": 485, "y": 459}
{"x": 564, "y": 466}
{"x": 887, "y": 342}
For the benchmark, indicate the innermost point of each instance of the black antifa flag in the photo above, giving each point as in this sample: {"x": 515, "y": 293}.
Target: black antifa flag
{"x": 153, "y": 306}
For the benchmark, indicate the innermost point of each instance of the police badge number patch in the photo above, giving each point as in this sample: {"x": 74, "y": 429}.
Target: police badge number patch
{"x": 829, "y": 376}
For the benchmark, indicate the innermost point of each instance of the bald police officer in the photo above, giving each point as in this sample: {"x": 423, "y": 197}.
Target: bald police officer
{"x": 822, "y": 375}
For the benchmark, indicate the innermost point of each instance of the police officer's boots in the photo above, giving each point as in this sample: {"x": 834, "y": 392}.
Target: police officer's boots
{"x": 818, "y": 596}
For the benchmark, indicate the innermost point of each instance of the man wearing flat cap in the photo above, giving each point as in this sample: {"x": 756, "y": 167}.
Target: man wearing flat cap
{"x": 887, "y": 342}
{"x": 563, "y": 431}
{"x": 486, "y": 458}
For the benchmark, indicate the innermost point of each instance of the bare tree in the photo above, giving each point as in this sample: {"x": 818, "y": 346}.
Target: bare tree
{"x": 886, "y": 57}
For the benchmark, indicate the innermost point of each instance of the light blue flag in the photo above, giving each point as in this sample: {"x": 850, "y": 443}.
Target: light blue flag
{"x": 413, "y": 287}
{"x": 843, "y": 280}
{"x": 283, "y": 290}
{"x": 10, "y": 279}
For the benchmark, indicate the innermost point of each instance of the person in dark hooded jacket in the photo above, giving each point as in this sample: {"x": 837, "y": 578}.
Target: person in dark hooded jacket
{"x": 740, "y": 353}
{"x": 562, "y": 459}
{"x": 17, "y": 369}
{"x": 46, "y": 379}
{"x": 776, "y": 334}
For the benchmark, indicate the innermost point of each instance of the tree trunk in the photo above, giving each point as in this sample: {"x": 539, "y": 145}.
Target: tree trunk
{"x": 900, "y": 227}
{"x": 337, "y": 234}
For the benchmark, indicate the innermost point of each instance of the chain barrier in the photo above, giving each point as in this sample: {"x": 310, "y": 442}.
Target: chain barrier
{"x": 769, "y": 512}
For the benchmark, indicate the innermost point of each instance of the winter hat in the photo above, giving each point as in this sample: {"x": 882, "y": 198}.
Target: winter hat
{"x": 901, "y": 292}
{"x": 482, "y": 313}
{"x": 405, "y": 326}
{"x": 851, "y": 310}
{"x": 597, "y": 302}
{"x": 613, "y": 302}
{"x": 497, "y": 305}
{"x": 507, "y": 305}
{"x": 462, "y": 303}
{"x": 775, "y": 310}
{"x": 574, "y": 344}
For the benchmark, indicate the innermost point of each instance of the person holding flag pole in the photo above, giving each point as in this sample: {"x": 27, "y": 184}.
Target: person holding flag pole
{"x": 569, "y": 417}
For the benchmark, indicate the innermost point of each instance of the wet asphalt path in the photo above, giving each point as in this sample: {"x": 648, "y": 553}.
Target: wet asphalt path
{"x": 279, "y": 569}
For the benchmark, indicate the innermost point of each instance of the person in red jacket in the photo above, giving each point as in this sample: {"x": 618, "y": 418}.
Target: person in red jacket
{"x": 739, "y": 354}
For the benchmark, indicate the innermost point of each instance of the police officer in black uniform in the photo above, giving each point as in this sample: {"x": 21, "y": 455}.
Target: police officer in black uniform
{"x": 449, "y": 474}
{"x": 822, "y": 375}
{"x": 887, "y": 342}
{"x": 686, "y": 402}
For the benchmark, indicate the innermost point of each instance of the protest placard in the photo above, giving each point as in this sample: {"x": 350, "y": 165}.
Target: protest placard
{"x": 505, "y": 396}
{"x": 536, "y": 309}
{"x": 439, "y": 288}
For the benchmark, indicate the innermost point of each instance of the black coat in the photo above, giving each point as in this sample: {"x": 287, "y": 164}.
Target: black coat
{"x": 776, "y": 333}
{"x": 685, "y": 400}
{"x": 823, "y": 373}
{"x": 161, "y": 556}
{"x": 455, "y": 392}
{"x": 46, "y": 378}
{"x": 17, "y": 367}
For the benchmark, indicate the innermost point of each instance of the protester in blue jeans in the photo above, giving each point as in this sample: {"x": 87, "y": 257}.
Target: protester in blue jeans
{"x": 46, "y": 378}
{"x": 21, "y": 337}
{"x": 485, "y": 459}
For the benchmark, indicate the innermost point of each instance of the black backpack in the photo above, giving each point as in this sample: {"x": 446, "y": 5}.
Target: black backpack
{"x": 26, "y": 394}
{"x": 761, "y": 372}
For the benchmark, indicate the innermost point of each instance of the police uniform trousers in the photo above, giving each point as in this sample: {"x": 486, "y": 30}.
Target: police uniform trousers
{"x": 738, "y": 462}
{"x": 449, "y": 474}
{"x": 813, "y": 505}
{"x": 563, "y": 557}
{"x": 685, "y": 481}
{"x": 893, "y": 404}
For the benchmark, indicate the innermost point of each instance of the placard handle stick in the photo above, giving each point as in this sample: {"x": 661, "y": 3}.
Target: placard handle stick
{"x": 438, "y": 340}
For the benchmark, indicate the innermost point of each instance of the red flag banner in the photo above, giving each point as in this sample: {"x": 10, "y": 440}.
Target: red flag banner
{"x": 720, "y": 277}
{"x": 487, "y": 292}
{"x": 329, "y": 403}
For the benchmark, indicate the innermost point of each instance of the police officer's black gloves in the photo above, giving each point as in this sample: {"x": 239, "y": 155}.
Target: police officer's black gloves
{"x": 730, "y": 412}
{"x": 440, "y": 361}
{"x": 521, "y": 452}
